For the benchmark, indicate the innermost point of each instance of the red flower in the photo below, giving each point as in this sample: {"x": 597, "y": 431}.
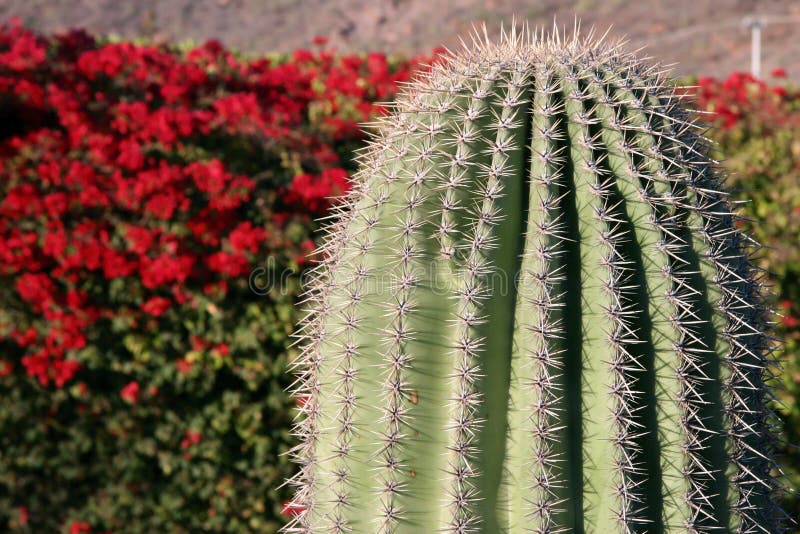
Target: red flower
{"x": 316, "y": 193}
{"x": 183, "y": 366}
{"x": 162, "y": 205}
{"x": 36, "y": 289}
{"x": 164, "y": 269}
{"x": 779, "y": 73}
{"x": 56, "y": 204}
{"x": 25, "y": 338}
{"x": 64, "y": 371}
{"x": 291, "y": 510}
{"x": 26, "y": 53}
{"x": 156, "y": 306}
{"x": 6, "y": 368}
{"x": 80, "y": 527}
{"x": 130, "y": 392}
{"x": 22, "y": 511}
{"x": 246, "y": 238}
{"x": 140, "y": 239}
{"x": 37, "y": 365}
{"x": 116, "y": 265}
{"x": 210, "y": 177}
{"x": 306, "y": 248}
{"x": 231, "y": 265}
{"x": 191, "y": 437}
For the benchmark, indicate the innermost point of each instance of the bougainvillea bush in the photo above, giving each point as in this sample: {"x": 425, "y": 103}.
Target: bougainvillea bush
{"x": 759, "y": 143}
{"x": 156, "y": 209}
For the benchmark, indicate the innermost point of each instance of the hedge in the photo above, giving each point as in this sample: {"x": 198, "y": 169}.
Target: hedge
{"x": 157, "y": 209}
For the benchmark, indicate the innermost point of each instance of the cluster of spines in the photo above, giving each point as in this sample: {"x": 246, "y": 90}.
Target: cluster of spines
{"x": 642, "y": 171}
{"x": 749, "y": 362}
{"x": 606, "y": 361}
{"x": 461, "y": 493}
{"x": 418, "y": 148}
{"x": 325, "y": 320}
{"x": 622, "y": 311}
{"x": 472, "y": 291}
{"x": 541, "y": 285}
{"x": 650, "y": 170}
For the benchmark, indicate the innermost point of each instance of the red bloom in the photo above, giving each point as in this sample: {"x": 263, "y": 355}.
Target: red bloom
{"x": 162, "y": 205}
{"x": 36, "y": 289}
{"x": 56, "y": 204}
{"x": 80, "y": 527}
{"x": 183, "y": 366}
{"x": 317, "y": 192}
{"x": 130, "y": 392}
{"x": 246, "y": 238}
{"x": 779, "y": 73}
{"x": 164, "y": 269}
{"x": 64, "y": 371}
{"x": 140, "y": 239}
{"x": 191, "y": 437}
{"x": 27, "y": 52}
{"x": 23, "y": 515}
{"x": 291, "y": 510}
{"x": 25, "y": 338}
{"x": 37, "y": 365}
{"x": 306, "y": 248}
{"x": 156, "y": 306}
{"x": 231, "y": 265}
{"x": 116, "y": 265}
{"x": 210, "y": 176}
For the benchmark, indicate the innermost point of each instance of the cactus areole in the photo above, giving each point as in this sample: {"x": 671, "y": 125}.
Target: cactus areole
{"x": 536, "y": 313}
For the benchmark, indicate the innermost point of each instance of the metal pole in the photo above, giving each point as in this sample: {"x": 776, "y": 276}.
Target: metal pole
{"x": 755, "y": 45}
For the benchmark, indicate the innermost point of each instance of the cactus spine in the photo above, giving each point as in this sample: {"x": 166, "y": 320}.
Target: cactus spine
{"x": 536, "y": 314}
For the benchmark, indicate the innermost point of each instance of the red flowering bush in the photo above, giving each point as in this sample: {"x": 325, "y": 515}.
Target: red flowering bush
{"x": 742, "y": 101}
{"x": 759, "y": 144}
{"x": 142, "y": 378}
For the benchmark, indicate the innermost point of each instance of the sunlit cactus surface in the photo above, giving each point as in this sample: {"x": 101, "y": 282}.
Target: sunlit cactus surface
{"x": 536, "y": 313}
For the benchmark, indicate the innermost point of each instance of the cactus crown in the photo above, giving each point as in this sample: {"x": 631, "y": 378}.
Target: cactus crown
{"x": 536, "y": 313}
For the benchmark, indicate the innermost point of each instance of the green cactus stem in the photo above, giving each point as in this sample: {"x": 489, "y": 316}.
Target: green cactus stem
{"x": 536, "y": 313}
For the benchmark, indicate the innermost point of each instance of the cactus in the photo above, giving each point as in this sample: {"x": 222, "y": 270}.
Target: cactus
{"x": 536, "y": 313}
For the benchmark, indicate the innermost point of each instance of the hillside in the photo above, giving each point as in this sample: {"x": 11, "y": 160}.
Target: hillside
{"x": 701, "y": 36}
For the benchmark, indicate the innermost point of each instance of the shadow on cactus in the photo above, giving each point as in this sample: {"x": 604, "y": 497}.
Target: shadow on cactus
{"x": 536, "y": 314}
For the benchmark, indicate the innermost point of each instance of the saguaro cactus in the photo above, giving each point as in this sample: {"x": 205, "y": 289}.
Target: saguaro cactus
{"x": 536, "y": 314}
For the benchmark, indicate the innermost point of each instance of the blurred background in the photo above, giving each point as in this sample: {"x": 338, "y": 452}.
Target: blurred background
{"x": 163, "y": 167}
{"x": 712, "y": 37}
